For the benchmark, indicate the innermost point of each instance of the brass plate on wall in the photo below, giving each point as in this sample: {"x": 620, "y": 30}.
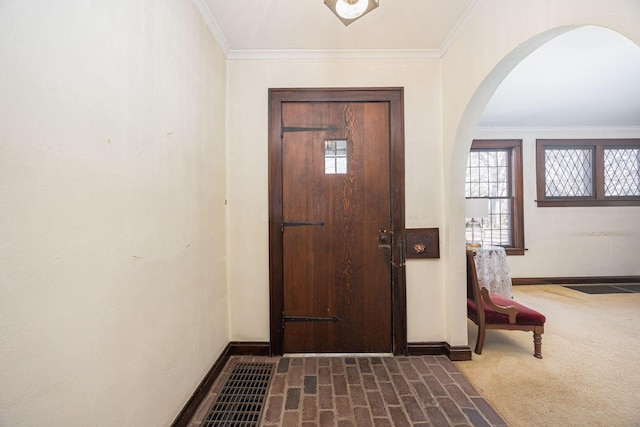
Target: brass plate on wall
{"x": 422, "y": 242}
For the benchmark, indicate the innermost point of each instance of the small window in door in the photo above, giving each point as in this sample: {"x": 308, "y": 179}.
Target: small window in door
{"x": 335, "y": 156}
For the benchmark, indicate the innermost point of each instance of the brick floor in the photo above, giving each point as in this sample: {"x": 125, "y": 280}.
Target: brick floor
{"x": 365, "y": 391}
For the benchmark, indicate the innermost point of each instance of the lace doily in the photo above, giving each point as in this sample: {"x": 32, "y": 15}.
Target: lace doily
{"x": 493, "y": 270}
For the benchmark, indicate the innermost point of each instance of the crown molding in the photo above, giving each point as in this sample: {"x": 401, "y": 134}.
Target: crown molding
{"x": 332, "y": 54}
{"x": 460, "y": 26}
{"x": 633, "y": 130}
{"x": 212, "y": 25}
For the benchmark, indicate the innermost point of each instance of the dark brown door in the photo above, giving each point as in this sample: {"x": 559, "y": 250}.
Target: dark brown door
{"x": 336, "y": 226}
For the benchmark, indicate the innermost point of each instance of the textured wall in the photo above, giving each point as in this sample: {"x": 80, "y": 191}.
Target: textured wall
{"x": 113, "y": 180}
{"x": 249, "y": 82}
{"x": 112, "y": 218}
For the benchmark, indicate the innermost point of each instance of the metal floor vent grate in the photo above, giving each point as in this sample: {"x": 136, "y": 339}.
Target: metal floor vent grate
{"x": 242, "y": 397}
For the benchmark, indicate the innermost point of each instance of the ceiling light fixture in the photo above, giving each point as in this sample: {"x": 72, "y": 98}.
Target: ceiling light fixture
{"x": 349, "y": 10}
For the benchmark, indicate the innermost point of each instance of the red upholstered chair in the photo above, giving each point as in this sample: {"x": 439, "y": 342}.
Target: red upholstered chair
{"x": 498, "y": 312}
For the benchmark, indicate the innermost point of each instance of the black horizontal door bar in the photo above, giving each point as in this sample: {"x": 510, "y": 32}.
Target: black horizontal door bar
{"x": 303, "y": 223}
{"x": 331, "y": 129}
{"x": 333, "y": 319}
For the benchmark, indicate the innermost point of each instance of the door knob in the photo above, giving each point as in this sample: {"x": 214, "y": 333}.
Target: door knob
{"x": 385, "y": 244}
{"x": 383, "y": 237}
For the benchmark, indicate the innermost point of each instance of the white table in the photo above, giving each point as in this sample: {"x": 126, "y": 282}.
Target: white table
{"x": 493, "y": 270}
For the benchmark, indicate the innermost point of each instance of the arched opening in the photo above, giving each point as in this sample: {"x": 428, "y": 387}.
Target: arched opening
{"x": 567, "y": 312}
{"x": 465, "y": 133}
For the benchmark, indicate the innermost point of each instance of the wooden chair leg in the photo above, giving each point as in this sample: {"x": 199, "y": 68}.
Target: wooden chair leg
{"x": 537, "y": 344}
{"x": 480, "y": 339}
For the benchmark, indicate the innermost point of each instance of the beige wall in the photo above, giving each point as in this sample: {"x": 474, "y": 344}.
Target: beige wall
{"x": 118, "y": 257}
{"x": 113, "y": 297}
{"x": 249, "y": 82}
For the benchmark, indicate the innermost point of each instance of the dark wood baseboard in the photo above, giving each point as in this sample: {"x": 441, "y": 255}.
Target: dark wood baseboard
{"x": 234, "y": 348}
{"x": 184, "y": 417}
{"x": 589, "y": 280}
{"x": 245, "y": 348}
{"x": 454, "y": 353}
{"x": 459, "y": 353}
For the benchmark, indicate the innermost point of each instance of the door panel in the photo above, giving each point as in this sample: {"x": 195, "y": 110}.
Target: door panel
{"x": 335, "y": 264}
{"x": 309, "y": 251}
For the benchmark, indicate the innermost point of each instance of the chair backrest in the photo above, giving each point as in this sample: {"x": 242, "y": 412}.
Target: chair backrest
{"x": 473, "y": 286}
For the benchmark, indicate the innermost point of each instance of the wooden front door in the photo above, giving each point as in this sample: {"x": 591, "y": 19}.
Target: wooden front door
{"x": 336, "y": 240}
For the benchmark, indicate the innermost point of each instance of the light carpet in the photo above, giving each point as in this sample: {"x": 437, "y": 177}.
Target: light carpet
{"x": 589, "y": 373}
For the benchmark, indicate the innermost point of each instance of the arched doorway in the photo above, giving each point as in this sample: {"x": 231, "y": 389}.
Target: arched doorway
{"x": 574, "y": 89}
{"x": 462, "y": 136}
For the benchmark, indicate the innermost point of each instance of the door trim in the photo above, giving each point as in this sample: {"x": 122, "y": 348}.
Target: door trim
{"x": 395, "y": 98}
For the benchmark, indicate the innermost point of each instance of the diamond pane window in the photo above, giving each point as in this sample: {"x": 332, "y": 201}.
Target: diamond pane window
{"x": 568, "y": 172}
{"x": 621, "y": 172}
{"x": 588, "y": 172}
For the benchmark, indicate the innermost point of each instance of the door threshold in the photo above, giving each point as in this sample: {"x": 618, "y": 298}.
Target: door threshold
{"x": 337, "y": 355}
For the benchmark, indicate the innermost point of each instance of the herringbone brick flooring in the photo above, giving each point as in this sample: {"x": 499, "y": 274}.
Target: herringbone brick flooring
{"x": 365, "y": 391}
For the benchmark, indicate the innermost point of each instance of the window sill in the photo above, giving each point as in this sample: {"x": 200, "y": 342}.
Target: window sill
{"x": 579, "y": 203}
{"x": 515, "y": 251}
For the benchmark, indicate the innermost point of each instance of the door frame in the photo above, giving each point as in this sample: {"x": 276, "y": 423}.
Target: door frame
{"x": 395, "y": 98}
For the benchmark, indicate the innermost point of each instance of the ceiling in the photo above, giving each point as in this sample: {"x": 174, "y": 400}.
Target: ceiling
{"x": 422, "y": 27}
{"x": 587, "y": 77}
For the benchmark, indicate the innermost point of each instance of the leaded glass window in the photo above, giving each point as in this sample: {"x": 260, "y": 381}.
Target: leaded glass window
{"x": 621, "y": 172}
{"x": 588, "y": 172}
{"x": 568, "y": 172}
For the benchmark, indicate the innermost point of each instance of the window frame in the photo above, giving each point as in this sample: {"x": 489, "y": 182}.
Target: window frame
{"x": 598, "y": 197}
{"x": 516, "y": 183}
